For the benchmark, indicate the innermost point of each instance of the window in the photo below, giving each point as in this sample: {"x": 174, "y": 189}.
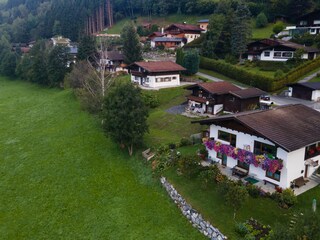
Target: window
{"x": 312, "y": 30}
{"x": 219, "y": 155}
{"x": 231, "y": 99}
{"x": 267, "y": 54}
{"x": 228, "y": 137}
{"x": 147, "y": 80}
{"x": 243, "y": 165}
{"x": 277, "y": 54}
{"x": 136, "y": 78}
{"x": 174, "y": 78}
{"x": 302, "y": 23}
{"x": 275, "y": 176}
{"x": 315, "y": 22}
{"x": 312, "y": 150}
{"x": 263, "y": 148}
{"x": 287, "y": 54}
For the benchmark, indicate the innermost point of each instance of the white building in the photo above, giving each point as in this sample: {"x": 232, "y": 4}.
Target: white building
{"x": 277, "y": 146}
{"x": 156, "y": 74}
{"x": 278, "y": 50}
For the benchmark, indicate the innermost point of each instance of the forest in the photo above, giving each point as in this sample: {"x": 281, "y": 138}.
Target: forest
{"x": 27, "y": 20}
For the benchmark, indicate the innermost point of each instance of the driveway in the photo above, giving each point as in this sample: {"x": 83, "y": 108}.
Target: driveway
{"x": 282, "y": 100}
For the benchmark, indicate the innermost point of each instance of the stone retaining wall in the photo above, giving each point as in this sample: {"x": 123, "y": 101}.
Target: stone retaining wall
{"x": 191, "y": 214}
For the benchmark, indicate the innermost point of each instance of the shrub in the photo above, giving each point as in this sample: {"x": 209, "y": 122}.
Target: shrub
{"x": 278, "y": 74}
{"x": 278, "y": 27}
{"x": 253, "y": 190}
{"x": 241, "y": 229}
{"x": 150, "y": 99}
{"x": 189, "y": 165}
{"x": 206, "y": 176}
{"x": 172, "y": 146}
{"x": 288, "y": 198}
{"x": 185, "y": 142}
{"x": 261, "y": 20}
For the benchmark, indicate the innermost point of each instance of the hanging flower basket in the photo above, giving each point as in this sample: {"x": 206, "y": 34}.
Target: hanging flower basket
{"x": 266, "y": 162}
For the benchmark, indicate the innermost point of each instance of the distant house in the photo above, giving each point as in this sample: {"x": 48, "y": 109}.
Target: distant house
{"x": 308, "y": 90}
{"x": 203, "y": 23}
{"x": 278, "y": 50}
{"x": 214, "y": 97}
{"x": 154, "y": 35}
{"x": 59, "y": 40}
{"x": 280, "y": 146}
{"x": 190, "y": 32}
{"x": 307, "y": 23}
{"x": 167, "y": 42}
{"x": 115, "y": 61}
{"x": 156, "y": 74}
{"x": 22, "y": 47}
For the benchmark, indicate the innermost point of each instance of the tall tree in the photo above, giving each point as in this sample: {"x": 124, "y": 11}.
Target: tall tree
{"x": 39, "y": 57}
{"x": 87, "y": 47}
{"x": 131, "y": 45}
{"x": 57, "y": 64}
{"x": 191, "y": 61}
{"x": 241, "y": 30}
{"x": 125, "y": 115}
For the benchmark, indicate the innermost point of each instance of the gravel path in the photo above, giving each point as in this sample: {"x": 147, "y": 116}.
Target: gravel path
{"x": 308, "y": 78}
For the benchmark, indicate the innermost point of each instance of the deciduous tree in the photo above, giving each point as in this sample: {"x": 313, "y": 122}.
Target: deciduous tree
{"x": 125, "y": 115}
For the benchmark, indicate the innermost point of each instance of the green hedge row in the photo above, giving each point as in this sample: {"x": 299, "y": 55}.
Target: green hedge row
{"x": 239, "y": 74}
{"x": 265, "y": 83}
{"x": 296, "y": 73}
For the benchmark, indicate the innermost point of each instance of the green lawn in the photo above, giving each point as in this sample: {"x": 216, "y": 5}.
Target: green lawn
{"x": 165, "y": 127}
{"x": 316, "y": 79}
{"x": 61, "y": 178}
{"x": 260, "y": 33}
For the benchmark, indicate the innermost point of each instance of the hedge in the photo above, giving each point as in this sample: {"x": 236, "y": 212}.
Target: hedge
{"x": 265, "y": 83}
{"x": 239, "y": 74}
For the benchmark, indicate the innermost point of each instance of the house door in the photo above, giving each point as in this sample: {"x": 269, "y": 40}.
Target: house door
{"x": 224, "y": 160}
{"x": 306, "y": 171}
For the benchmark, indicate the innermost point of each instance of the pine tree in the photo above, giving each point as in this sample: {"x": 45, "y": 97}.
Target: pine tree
{"x": 241, "y": 30}
{"x": 86, "y": 47}
{"x": 131, "y": 45}
{"x": 191, "y": 61}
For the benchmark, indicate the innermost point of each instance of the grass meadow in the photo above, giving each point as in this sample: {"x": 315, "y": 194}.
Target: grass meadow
{"x": 61, "y": 178}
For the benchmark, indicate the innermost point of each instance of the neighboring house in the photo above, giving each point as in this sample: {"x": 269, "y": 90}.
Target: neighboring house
{"x": 167, "y": 42}
{"x": 59, "y": 40}
{"x": 188, "y": 31}
{"x": 278, "y": 145}
{"x": 308, "y": 91}
{"x": 73, "y": 52}
{"x": 307, "y": 23}
{"x": 214, "y": 97}
{"x": 22, "y": 47}
{"x": 203, "y": 23}
{"x": 154, "y": 35}
{"x": 115, "y": 61}
{"x": 278, "y": 50}
{"x": 156, "y": 74}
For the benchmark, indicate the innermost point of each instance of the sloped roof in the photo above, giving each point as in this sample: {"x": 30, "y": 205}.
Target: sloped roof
{"x": 115, "y": 56}
{"x": 160, "y": 66}
{"x": 310, "y": 85}
{"x": 291, "y": 127}
{"x": 248, "y": 93}
{"x": 167, "y": 39}
{"x": 216, "y": 87}
{"x": 186, "y": 27}
{"x": 203, "y": 21}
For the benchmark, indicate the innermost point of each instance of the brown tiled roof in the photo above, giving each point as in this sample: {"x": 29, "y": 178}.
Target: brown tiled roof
{"x": 186, "y": 27}
{"x": 115, "y": 55}
{"x": 161, "y": 66}
{"x": 216, "y": 87}
{"x": 248, "y": 93}
{"x": 291, "y": 127}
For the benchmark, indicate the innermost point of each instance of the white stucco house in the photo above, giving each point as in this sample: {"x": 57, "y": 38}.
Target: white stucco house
{"x": 156, "y": 74}
{"x": 278, "y": 50}
{"x": 278, "y": 146}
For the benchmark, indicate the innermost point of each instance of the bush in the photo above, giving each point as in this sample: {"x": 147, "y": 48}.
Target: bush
{"x": 253, "y": 190}
{"x": 261, "y": 20}
{"x": 288, "y": 198}
{"x": 172, "y": 146}
{"x": 241, "y": 229}
{"x": 150, "y": 99}
{"x": 185, "y": 142}
{"x": 189, "y": 165}
{"x": 278, "y": 74}
{"x": 278, "y": 27}
{"x": 206, "y": 176}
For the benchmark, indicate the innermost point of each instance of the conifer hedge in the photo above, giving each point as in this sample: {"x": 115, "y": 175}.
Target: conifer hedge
{"x": 255, "y": 80}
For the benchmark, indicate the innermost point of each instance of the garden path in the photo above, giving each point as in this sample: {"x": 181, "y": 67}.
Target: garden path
{"x": 308, "y": 78}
